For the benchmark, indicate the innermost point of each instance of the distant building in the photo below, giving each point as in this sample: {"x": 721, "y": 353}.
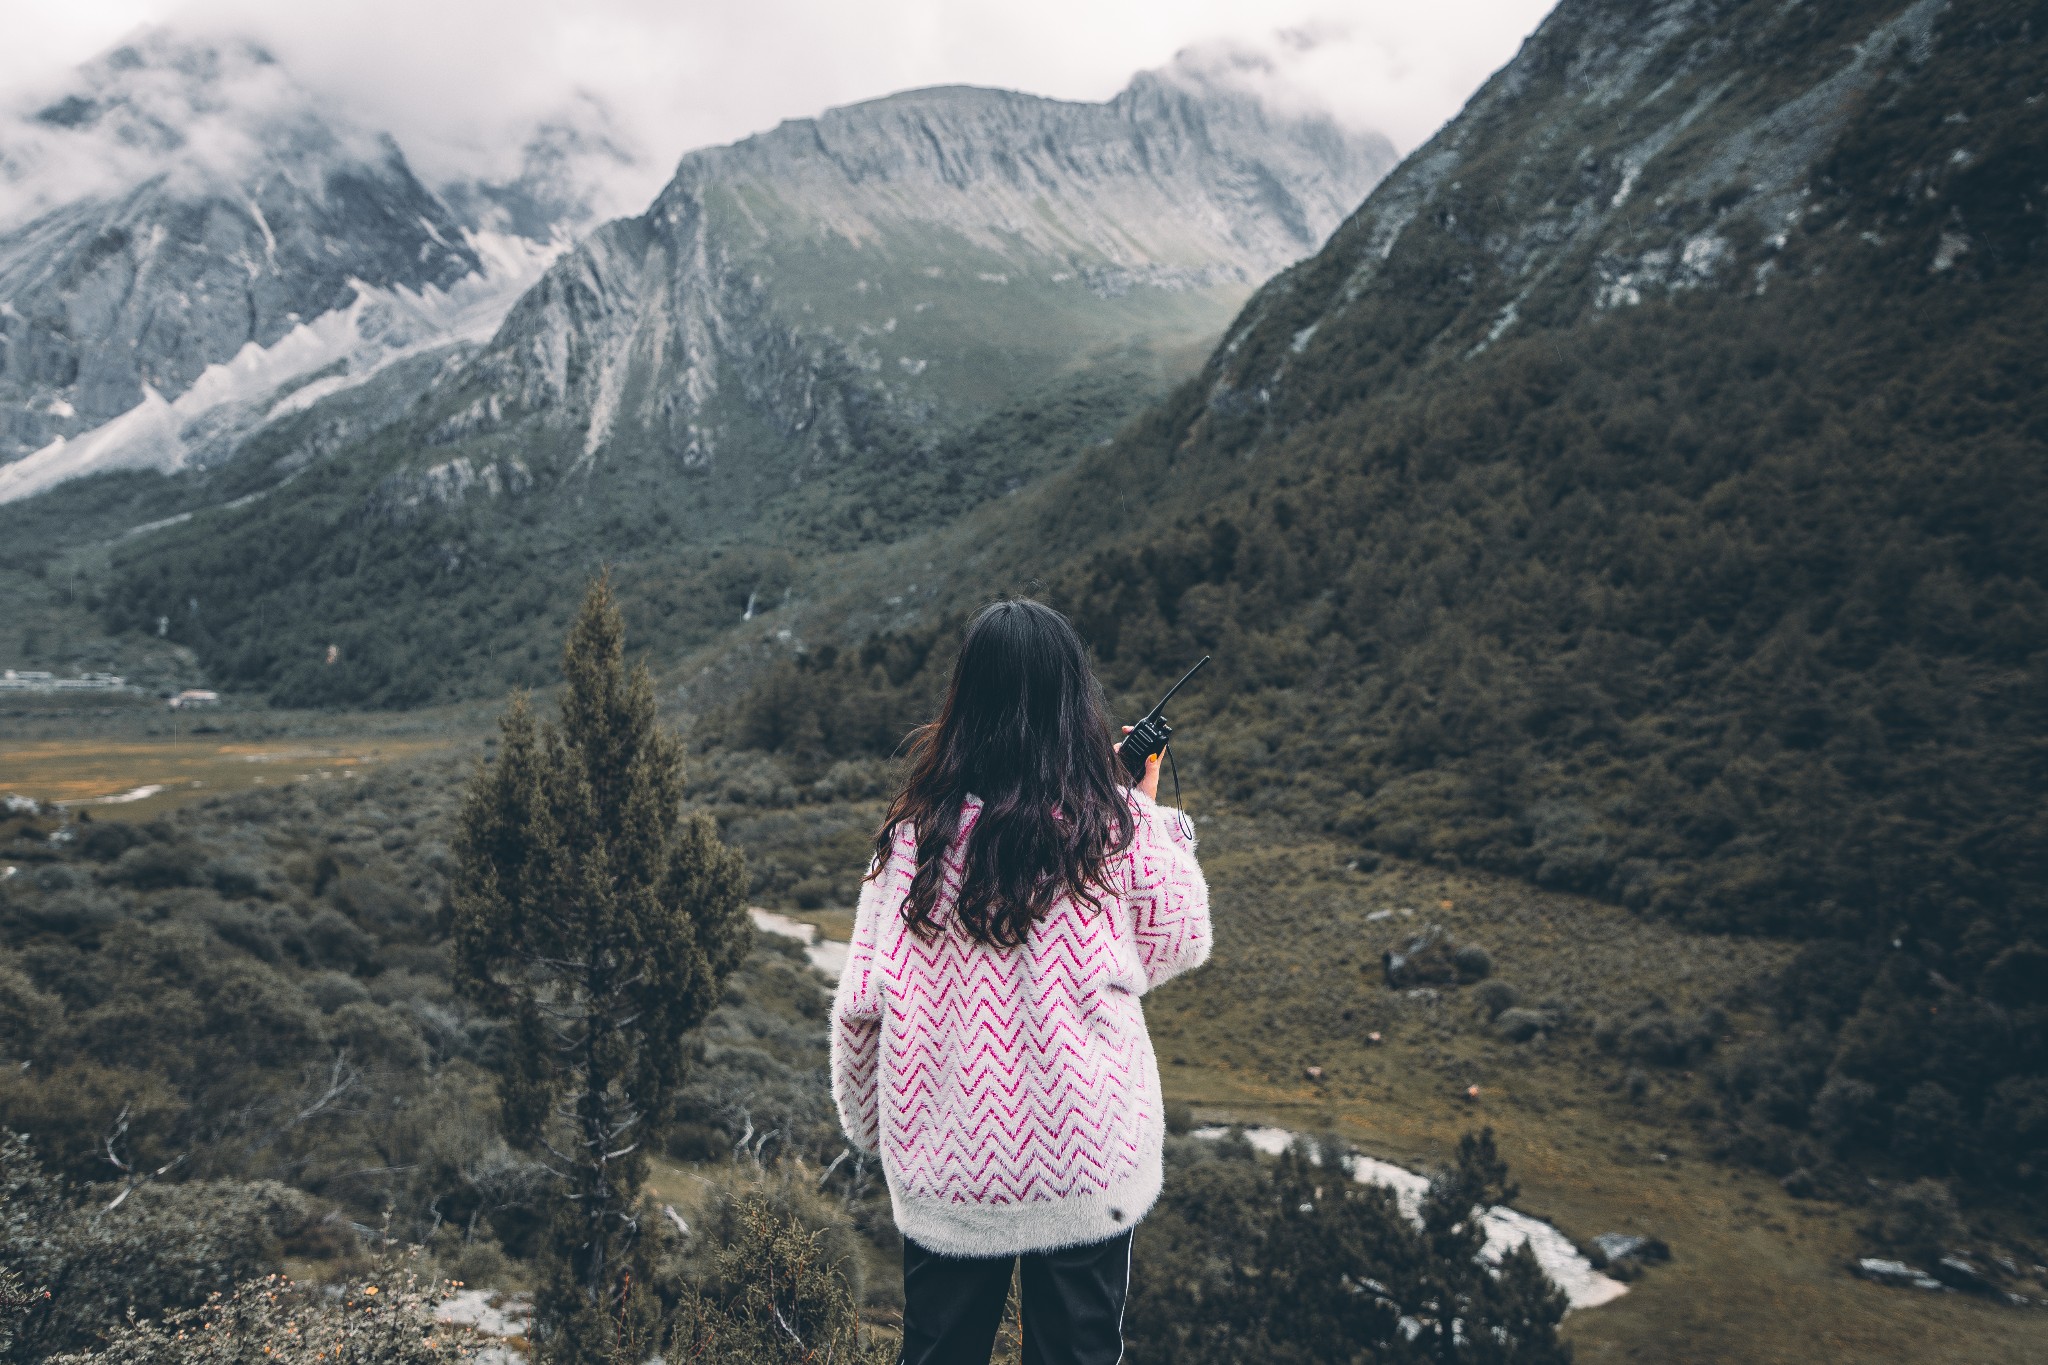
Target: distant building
{"x": 89, "y": 682}
{"x": 31, "y": 680}
{"x": 193, "y": 696}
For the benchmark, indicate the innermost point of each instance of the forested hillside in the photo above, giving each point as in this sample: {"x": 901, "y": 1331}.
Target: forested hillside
{"x": 1642, "y": 494}
{"x": 457, "y": 601}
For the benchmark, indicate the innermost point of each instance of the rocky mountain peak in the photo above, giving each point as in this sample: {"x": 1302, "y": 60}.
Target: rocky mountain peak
{"x": 1185, "y": 173}
{"x": 1627, "y": 154}
{"x": 864, "y": 279}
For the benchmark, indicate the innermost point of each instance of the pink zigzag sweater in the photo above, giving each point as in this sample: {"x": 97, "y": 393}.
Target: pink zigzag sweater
{"x": 1012, "y": 1093}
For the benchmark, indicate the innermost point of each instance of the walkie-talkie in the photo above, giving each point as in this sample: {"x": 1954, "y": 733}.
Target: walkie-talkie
{"x": 1149, "y": 736}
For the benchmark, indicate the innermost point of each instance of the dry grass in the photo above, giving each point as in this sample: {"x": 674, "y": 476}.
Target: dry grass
{"x": 1295, "y": 980}
{"x": 185, "y": 770}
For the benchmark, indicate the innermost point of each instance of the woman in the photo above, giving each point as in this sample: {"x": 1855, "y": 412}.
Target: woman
{"x": 987, "y": 1037}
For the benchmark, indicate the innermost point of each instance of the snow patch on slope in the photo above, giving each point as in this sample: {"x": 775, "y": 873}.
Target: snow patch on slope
{"x": 1506, "y": 1228}
{"x": 376, "y": 328}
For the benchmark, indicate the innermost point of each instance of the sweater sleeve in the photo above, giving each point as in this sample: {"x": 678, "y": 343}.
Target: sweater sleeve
{"x": 1169, "y": 900}
{"x": 857, "y": 1023}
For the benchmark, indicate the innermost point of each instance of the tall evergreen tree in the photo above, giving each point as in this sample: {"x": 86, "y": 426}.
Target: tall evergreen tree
{"x": 599, "y": 921}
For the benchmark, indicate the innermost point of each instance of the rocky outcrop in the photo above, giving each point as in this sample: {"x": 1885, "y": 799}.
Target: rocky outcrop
{"x": 186, "y": 201}
{"x": 1628, "y": 152}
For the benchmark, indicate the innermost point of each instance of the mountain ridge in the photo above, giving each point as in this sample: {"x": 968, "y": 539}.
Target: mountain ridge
{"x": 189, "y": 230}
{"x": 234, "y": 218}
{"x": 789, "y": 343}
{"x": 963, "y": 181}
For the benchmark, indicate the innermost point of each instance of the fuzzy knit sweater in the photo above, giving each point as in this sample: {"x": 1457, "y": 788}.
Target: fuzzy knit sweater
{"x": 1012, "y": 1093}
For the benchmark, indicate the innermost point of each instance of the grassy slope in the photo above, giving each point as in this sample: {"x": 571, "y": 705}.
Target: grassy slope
{"x": 1755, "y": 1275}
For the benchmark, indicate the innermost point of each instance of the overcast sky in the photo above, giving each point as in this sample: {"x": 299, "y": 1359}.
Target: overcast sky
{"x": 453, "y": 79}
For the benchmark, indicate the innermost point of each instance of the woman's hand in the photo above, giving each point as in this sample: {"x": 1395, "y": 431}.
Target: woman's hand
{"x": 1149, "y": 783}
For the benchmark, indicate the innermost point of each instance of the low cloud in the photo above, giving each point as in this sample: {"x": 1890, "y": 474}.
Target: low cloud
{"x": 200, "y": 115}
{"x": 1398, "y": 71}
{"x": 463, "y": 84}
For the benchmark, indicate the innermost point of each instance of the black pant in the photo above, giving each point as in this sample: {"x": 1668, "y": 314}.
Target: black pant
{"x": 1073, "y": 1302}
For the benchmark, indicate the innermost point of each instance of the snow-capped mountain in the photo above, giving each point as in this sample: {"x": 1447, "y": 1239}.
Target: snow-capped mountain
{"x": 185, "y": 228}
{"x": 834, "y": 332}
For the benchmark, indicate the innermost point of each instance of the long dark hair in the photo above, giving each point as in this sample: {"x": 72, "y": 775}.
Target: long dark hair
{"x": 1024, "y": 727}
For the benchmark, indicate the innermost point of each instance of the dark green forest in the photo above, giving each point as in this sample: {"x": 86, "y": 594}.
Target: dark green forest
{"x": 1728, "y": 607}
{"x": 432, "y": 603}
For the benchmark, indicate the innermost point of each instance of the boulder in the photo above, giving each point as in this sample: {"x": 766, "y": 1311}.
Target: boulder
{"x": 1958, "y": 1271}
{"x": 1895, "y": 1273}
{"x": 1496, "y": 996}
{"x": 1428, "y": 959}
{"x": 1616, "y": 1248}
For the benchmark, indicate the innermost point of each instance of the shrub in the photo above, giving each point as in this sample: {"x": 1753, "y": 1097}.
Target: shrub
{"x": 160, "y": 1248}
{"x": 1917, "y": 1220}
{"x": 1846, "y": 1113}
{"x": 1520, "y": 1025}
{"x": 1928, "y": 1129}
{"x": 152, "y": 867}
{"x": 385, "y": 1320}
{"x": 104, "y": 841}
{"x": 1427, "y": 959}
{"x": 775, "y": 1295}
{"x": 27, "y": 1015}
{"x": 1298, "y": 1264}
{"x": 1496, "y": 996}
{"x": 1473, "y": 962}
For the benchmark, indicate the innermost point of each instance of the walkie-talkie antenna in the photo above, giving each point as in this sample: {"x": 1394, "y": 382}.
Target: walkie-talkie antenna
{"x": 1177, "y": 686}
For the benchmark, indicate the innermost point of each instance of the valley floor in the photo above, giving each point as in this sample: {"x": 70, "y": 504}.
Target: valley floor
{"x": 1296, "y": 981}
{"x": 1597, "y": 1142}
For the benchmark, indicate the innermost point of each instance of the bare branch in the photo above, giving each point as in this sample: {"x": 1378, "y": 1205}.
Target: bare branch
{"x": 135, "y": 1184}
{"x": 120, "y": 1131}
{"x": 341, "y": 1079}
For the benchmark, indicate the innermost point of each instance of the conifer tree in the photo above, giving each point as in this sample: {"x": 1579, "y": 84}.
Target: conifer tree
{"x": 1304, "y": 1265}
{"x": 599, "y": 922}
{"x": 1467, "y": 1310}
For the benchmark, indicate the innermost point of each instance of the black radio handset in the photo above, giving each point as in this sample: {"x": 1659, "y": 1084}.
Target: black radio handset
{"x": 1149, "y": 736}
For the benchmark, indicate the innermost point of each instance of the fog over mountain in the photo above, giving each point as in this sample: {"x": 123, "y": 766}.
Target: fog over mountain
{"x": 852, "y": 279}
{"x": 189, "y": 226}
